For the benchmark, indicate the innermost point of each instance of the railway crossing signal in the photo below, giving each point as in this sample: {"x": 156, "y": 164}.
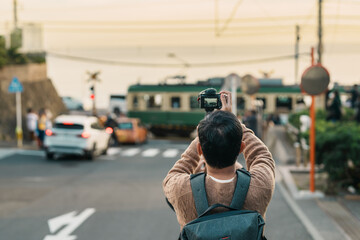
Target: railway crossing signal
{"x": 93, "y": 79}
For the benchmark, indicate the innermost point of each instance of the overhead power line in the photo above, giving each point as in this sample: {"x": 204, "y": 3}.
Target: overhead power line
{"x": 168, "y": 65}
{"x": 265, "y": 20}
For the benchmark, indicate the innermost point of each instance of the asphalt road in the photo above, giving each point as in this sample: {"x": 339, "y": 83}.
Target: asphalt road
{"x": 117, "y": 196}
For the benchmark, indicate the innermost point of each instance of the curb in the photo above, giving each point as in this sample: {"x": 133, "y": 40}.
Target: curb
{"x": 315, "y": 234}
{"x": 290, "y": 184}
{"x": 289, "y": 190}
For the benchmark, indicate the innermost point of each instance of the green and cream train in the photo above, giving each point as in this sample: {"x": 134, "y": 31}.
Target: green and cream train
{"x": 166, "y": 108}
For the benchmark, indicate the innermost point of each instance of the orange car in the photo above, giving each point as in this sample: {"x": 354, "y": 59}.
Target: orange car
{"x": 130, "y": 130}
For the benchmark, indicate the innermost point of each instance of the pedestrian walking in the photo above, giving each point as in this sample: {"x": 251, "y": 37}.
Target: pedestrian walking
{"x": 31, "y": 121}
{"x": 357, "y": 110}
{"x": 354, "y": 95}
{"x": 250, "y": 121}
{"x": 334, "y": 110}
{"x": 41, "y": 127}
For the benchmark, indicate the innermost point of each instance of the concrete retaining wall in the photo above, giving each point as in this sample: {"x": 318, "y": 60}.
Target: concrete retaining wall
{"x": 25, "y": 73}
{"x": 39, "y": 92}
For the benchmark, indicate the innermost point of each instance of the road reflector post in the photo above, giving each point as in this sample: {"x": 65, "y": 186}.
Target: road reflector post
{"x": 298, "y": 153}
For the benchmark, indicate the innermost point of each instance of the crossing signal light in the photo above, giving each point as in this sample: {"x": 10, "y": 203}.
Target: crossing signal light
{"x": 92, "y": 96}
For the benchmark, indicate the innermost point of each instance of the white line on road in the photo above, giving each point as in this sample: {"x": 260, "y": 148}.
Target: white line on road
{"x": 36, "y": 153}
{"x": 151, "y": 152}
{"x": 296, "y": 209}
{"x": 4, "y": 153}
{"x": 113, "y": 151}
{"x": 170, "y": 153}
{"x": 131, "y": 152}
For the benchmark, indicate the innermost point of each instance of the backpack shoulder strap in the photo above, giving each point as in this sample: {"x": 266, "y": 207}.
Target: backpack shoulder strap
{"x": 241, "y": 188}
{"x": 197, "y": 182}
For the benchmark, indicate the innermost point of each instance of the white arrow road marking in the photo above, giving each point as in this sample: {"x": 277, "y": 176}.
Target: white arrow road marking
{"x": 130, "y": 152}
{"x": 151, "y": 152}
{"x": 113, "y": 151}
{"x": 69, "y": 222}
{"x": 170, "y": 153}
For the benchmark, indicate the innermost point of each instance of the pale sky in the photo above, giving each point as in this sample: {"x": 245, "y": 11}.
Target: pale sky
{"x": 148, "y": 30}
{"x": 185, "y": 22}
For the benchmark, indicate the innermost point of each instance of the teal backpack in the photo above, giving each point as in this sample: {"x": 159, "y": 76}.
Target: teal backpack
{"x": 235, "y": 224}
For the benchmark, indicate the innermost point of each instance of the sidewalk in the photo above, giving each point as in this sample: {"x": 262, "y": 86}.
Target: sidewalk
{"x": 324, "y": 217}
{"x": 9, "y": 148}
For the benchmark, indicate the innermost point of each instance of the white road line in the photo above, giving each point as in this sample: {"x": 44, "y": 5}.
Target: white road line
{"x": 151, "y": 152}
{"x": 296, "y": 209}
{"x": 36, "y": 153}
{"x": 4, "y": 153}
{"x": 113, "y": 151}
{"x": 170, "y": 153}
{"x": 130, "y": 152}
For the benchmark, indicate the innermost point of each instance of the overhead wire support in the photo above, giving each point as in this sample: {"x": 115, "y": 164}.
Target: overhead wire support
{"x": 297, "y": 41}
{"x": 232, "y": 15}
{"x": 320, "y": 44}
{"x": 216, "y": 17}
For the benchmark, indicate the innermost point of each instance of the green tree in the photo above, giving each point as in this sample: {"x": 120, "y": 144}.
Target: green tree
{"x": 14, "y": 57}
{"x": 3, "y": 54}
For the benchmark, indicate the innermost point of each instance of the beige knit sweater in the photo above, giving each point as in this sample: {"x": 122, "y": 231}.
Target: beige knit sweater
{"x": 259, "y": 163}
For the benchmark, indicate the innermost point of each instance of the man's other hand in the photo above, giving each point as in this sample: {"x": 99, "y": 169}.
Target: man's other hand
{"x": 226, "y": 101}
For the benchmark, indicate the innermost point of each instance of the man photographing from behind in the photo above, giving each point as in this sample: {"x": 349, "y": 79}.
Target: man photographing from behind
{"x": 221, "y": 138}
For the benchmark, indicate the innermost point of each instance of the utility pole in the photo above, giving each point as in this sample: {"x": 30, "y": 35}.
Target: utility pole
{"x": 297, "y": 27}
{"x": 15, "y": 14}
{"x": 320, "y": 45}
{"x": 92, "y": 80}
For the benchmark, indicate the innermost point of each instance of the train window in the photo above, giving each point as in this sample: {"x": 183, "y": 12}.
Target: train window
{"x": 175, "y": 102}
{"x": 135, "y": 102}
{"x": 300, "y": 100}
{"x": 153, "y": 101}
{"x": 284, "y": 102}
{"x": 240, "y": 103}
{"x": 263, "y": 100}
{"x": 194, "y": 102}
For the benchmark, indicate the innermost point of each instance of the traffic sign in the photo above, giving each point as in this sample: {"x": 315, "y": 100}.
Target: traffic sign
{"x": 315, "y": 80}
{"x": 15, "y": 86}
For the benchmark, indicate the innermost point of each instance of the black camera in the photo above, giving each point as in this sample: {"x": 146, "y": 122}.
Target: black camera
{"x": 209, "y": 100}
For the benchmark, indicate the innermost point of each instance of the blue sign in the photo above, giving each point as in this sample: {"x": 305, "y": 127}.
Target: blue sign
{"x": 15, "y": 86}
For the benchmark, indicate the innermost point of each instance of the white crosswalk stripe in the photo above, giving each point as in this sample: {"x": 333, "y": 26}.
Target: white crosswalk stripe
{"x": 130, "y": 152}
{"x": 151, "y": 152}
{"x": 113, "y": 151}
{"x": 170, "y": 153}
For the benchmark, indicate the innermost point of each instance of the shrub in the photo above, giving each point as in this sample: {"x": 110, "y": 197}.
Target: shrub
{"x": 338, "y": 148}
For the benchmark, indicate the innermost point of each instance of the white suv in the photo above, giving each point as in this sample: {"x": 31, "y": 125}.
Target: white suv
{"x": 80, "y": 135}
